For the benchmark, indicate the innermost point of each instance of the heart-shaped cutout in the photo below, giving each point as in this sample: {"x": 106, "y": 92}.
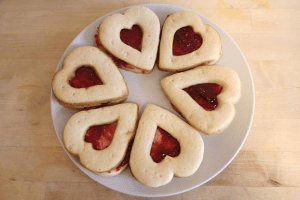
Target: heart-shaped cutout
{"x": 216, "y": 79}
{"x": 132, "y": 37}
{"x": 186, "y": 41}
{"x": 101, "y": 137}
{"x": 85, "y": 77}
{"x": 109, "y": 36}
{"x": 164, "y": 145}
{"x": 175, "y": 59}
{"x": 187, "y": 155}
{"x": 113, "y": 90}
{"x": 205, "y": 94}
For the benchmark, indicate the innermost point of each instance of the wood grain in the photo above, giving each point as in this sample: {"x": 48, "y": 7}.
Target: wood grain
{"x": 35, "y": 33}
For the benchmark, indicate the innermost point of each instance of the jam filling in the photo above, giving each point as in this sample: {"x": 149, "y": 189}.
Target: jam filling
{"x": 164, "y": 145}
{"x": 186, "y": 41}
{"x": 132, "y": 37}
{"x": 95, "y": 107}
{"x": 205, "y": 63}
{"x": 85, "y": 77}
{"x": 97, "y": 41}
{"x": 205, "y": 94}
{"x": 126, "y": 158}
{"x": 101, "y": 136}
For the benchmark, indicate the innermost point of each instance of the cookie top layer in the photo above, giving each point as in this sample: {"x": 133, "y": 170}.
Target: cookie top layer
{"x": 125, "y": 114}
{"x": 209, "y": 52}
{"x": 113, "y": 89}
{"x": 208, "y": 122}
{"x": 109, "y": 35}
{"x": 185, "y": 164}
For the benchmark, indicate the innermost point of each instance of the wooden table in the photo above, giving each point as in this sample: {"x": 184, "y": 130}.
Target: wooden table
{"x": 35, "y": 33}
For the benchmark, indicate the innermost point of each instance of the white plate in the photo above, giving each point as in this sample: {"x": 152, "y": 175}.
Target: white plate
{"x": 144, "y": 89}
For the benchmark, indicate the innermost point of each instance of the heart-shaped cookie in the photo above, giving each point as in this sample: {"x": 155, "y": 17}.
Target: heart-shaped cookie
{"x": 112, "y": 90}
{"x": 154, "y": 174}
{"x": 210, "y": 49}
{"x": 110, "y": 153}
{"x": 109, "y": 36}
{"x": 221, "y": 84}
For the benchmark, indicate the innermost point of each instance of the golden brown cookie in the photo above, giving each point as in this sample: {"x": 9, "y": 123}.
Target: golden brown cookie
{"x": 217, "y": 88}
{"x": 111, "y": 89}
{"x": 100, "y": 137}
{"x": 149, "y": 169}
{"x": 138, "y": 60}
{"x": 180, "y": 36}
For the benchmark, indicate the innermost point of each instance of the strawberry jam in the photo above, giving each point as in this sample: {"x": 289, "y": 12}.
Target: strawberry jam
{"x": 95, "y": 107}
{"x": 132, "y": 37}
{"x": 97, "y": 40}
{"x": 205, "y": 94}
{"x": 127, "y": 156}
{"x": 85, "y": 77}
{"x": 121, "y": 63}
{"x": 186, "y": 41}
{"x": 101, "y": 135}
{"x": 164, "y": 145}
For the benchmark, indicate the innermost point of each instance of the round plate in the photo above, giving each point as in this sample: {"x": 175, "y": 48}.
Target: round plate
{"x": 144, "y": 89}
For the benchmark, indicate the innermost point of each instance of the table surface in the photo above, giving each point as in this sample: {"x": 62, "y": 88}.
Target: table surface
{"x": 35, "y": 33}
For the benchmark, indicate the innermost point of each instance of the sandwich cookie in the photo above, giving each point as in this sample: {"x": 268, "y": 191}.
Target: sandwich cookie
{"x": 164, "y": 146}
{"x": 204, "y": 96}
{"x": 186, "y": 43}
{"x": 131, "y": 39}
{"x": 102, "y": 137}
{"x": 89, "y": 78}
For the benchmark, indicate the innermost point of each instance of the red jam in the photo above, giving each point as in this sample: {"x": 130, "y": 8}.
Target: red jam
{"x": 95, "y": 107}
{"x": 85, "y": 77}
{"x": 117, "y": 61}
{"x": 97, "y": 40}
{"x": 101, "y": 135}
{"x": 121, "y": 63}
{"x": 164, "y": 145}
{"x": 205, "y": 63}
{"x": 186, "y": 41}
{"x": 132, "y": 37}
{"x": 205, "y": 94}
{"x": 127, "y": 156}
